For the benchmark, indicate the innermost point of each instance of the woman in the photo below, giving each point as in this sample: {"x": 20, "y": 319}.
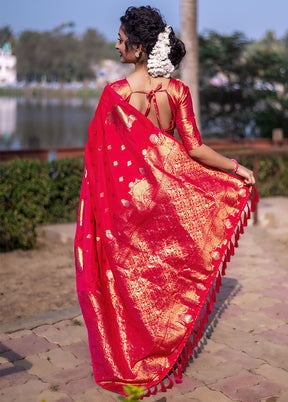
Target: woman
{"x": 156, "y": 218}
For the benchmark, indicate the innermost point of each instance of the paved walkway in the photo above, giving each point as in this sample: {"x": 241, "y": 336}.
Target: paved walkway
{"x": 242, "y": 357}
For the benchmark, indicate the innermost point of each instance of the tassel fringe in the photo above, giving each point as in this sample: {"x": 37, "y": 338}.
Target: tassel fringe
{"x": 199, "y": 329}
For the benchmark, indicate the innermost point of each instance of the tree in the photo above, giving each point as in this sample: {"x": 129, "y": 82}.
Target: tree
{"x": 6, "y": 35}
{"x": 225, "y": 107}
{"x": 189, "y": 71}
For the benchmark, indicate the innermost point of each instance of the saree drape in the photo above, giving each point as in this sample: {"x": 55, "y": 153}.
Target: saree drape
{"x": 154, "y": 228}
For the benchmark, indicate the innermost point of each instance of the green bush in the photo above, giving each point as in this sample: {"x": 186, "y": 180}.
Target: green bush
{"x": 64, "y": 190}
{"x": 273, "y": 174}
{"x": 34, "y": 192}
{"x": 23, "y": 198}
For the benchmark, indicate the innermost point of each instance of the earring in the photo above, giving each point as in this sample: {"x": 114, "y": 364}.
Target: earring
{"x": 137, "y": 55}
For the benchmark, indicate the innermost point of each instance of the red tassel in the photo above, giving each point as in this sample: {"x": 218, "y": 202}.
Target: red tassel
{"x": 155, "y": 390}
{"x": 228, "y": 255}
{"x": 148, "y": 393}
{"x": 213, "y": 295}
{"x": 224, "y": 266}
{"x": 190, "y": 348}
{"x": 183, "y": 364}
{"x": 170, "y": 382}
{"x": 245, "y": 219}
{"x": 208, "y": 308}
{"x": 194, "y": 341}
{"x": 199, "y": 334}
{"x": 205, "y": 316}
{"x": 249, "y": 212}
{"x": 186, "y": 356}
{"x": 237, "y": 234}
{"x": 256, "y": 196}
{"x": 211, "y": 304}
{"x": 241, "y": 230}
{"x": 176, "y": 377}
{"x": 202, "y": 324}
{"x": 253, "y": 206}
{"x": 218, "y": 282}
{"x": 232, "y": 251}
{"x": 163, "y": 388}
{"x": 179, "y": 370}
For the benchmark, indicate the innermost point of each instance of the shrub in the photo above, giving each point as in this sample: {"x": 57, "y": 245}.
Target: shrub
{"x": 23, "y": 199}
{"x": 34, "y": 192}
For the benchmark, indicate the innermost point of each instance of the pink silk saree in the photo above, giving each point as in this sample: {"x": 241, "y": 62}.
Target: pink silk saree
{"x": 154, "y": 234}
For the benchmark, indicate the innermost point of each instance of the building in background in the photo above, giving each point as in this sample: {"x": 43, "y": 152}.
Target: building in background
{"x": 8, "y": 74}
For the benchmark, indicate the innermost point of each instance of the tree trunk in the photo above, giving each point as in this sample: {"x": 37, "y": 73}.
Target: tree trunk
{"x": 190, "y": 64}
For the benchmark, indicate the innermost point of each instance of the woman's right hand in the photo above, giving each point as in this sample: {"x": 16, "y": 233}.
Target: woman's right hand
{"x": 247, "y": 174}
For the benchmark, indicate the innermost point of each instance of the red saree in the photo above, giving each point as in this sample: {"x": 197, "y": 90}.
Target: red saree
{"x": 154, "y": 229}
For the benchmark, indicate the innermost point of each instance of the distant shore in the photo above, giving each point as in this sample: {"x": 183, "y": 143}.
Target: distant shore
{"x": 29, "y": 91}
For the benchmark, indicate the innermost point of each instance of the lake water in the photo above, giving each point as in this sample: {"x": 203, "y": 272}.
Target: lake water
{"x": 40, "y": 123}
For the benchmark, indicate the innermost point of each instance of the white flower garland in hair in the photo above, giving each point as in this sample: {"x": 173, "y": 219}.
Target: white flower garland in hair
{"x": 159, "y": 64}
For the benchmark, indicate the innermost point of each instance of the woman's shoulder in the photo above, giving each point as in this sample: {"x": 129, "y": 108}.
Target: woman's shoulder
{"x": 177, "y": 90}
{"x": 121, "y": 87}
{"x": 175, "y": 83}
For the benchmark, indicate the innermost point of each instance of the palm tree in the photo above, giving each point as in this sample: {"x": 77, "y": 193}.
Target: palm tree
{"x": 189, "y": 35}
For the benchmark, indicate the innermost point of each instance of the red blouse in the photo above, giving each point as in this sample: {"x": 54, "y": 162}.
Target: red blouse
{"x": 180, "y": 102}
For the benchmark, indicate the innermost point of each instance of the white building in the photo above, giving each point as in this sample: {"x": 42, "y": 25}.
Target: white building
{"x": 8, "y": 75}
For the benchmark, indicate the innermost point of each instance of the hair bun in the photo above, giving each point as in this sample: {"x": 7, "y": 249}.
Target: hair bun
{"x": 177, "y": 50}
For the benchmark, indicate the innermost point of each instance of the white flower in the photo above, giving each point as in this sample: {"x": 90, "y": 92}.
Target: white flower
{"x": 159, "y": 64}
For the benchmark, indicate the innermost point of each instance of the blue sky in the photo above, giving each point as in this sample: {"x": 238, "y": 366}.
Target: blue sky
{"x": 253, "y": 17}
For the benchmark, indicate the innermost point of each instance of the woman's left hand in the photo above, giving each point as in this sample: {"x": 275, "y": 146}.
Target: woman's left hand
{"x": 247, "y": 174}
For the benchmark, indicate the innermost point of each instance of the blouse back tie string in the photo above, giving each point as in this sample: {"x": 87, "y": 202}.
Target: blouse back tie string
{"x": 151, "y": 95}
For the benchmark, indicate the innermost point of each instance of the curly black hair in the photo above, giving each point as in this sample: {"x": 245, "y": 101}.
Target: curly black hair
{"x": 142, "y": 25}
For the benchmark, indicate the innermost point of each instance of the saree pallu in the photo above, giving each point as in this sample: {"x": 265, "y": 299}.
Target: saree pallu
{"x": 154, "y": 230}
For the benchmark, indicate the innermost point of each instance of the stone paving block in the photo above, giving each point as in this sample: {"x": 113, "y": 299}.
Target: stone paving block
{"x": 272, "y": 353}
{"x": 64, "y": 335}
{"x": 209, "y": 346}
{"x": 41, "y": 329}
{"x": 39, "y": 366}
{"x": 203, "y": 394}
{"x": 17, "y": 375}
{"x": 96, "y": 395}
{"x": 20, "y": 334}
{"x": 253, "y": 322}
{"x": 275, "y": 374}
{"x": 248, "y": 387}
{"x": 63, "y": 376}
{"x": 278, "y": 311}
{"x": 248, "y": 300}
{"x": 278, "y": 292}
{"x": 80, "y": 319}
{"x": 11, "y": 374}
{"x": 52, "y": 396}
{"x": 80, "y": 350}
{"x": 3, "y": 360}
{"x": 75, "y": 387}
{"x": 63, "y": 324}
{"x": 210, "y": 372}
{"x": 22, "y": 347}
{"x": 278, "y": 335}
{"x": 267, "y": 390}
{"x": 61, "y": 358}
{"x": 3, "y": 347}
{"x": 234, "y": 338}
{"x": 232, "y": 384}
{"x": 27, "y": 392}
{"x": 231, "y": 310}
{"x": 238, "y": 357}
{"x": 283, "y": 397}
{"x": 188, "y": 385}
